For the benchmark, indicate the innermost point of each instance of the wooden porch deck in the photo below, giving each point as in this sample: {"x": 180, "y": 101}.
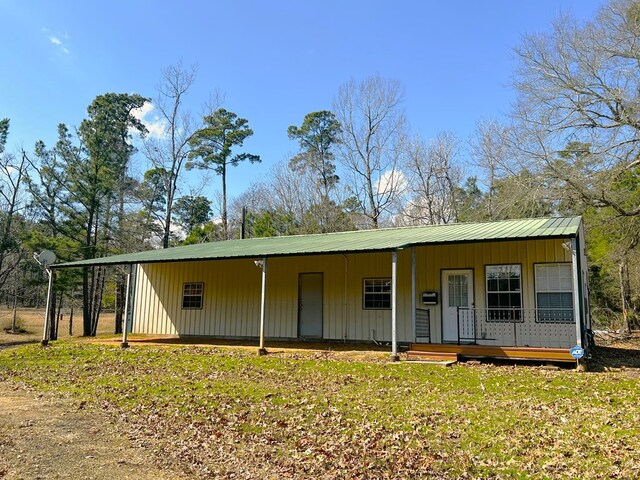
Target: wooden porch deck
{"x": 447, "y": 352}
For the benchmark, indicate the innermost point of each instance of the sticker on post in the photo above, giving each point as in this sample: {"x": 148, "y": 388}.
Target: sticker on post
{"x": 577, "y": 352}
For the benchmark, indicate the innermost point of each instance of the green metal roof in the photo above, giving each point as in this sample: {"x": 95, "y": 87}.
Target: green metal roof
{"x": 351, "y": 242}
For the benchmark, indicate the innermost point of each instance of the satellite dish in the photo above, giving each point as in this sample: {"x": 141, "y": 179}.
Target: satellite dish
{"x": 46, "y": 257}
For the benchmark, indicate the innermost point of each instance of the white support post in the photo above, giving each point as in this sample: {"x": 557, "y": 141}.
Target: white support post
{"x": 394, "y": 308}
{"x": 45, "y": 333}
{"x": 125, "y": 316}
{"x": 413, "y": 293}
{"x": 576, "y": 291}
{"x": 262, "y": 350}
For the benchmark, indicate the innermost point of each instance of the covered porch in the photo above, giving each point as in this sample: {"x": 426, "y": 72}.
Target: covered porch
{"x": 454, "y": 353}
{"x": 395, "y": 287}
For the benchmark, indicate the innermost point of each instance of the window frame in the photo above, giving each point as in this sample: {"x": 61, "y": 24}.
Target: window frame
{"x": 365, "y": 293}
{"x": 186, "y": 295}
{"x": 512, "y": 314}
{"x": 564, "y": 321}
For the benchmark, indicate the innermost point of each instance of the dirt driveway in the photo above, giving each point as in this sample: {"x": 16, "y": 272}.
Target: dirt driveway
{"x": 45, "y": 438}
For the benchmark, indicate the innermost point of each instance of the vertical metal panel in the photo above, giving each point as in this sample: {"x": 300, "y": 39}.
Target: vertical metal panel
{"x": 431, "y": 259}
{"x": 232, "y": 290}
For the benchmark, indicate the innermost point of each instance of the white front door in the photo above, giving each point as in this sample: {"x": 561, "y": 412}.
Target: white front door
{"x": 457, "y": 291}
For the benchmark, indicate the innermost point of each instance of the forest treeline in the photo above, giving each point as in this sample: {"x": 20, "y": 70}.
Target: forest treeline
{"x": 570, "y": 146}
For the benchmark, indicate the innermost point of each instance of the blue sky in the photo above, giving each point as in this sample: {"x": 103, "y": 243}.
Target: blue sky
{"x": 274, "y": 61}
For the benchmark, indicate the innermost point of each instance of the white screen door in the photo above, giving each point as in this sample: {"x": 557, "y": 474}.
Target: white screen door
{"x": 457, "y": 291}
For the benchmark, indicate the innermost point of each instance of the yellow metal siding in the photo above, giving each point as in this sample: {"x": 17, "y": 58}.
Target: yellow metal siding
{"x": 232, "y": 290}
{"x": 231, "y": 300}
{"x": 431, "y": 260}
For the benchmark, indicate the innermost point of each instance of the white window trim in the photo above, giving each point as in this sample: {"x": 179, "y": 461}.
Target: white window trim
{"x": 185, "y": 285}
{"x": 567, "y": 289}
{"x": 508, "y": 318}
{"x": 365, "y": 293}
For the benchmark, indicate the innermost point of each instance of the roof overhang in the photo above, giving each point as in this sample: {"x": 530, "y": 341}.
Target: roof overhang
{"x": 342, "y": 243}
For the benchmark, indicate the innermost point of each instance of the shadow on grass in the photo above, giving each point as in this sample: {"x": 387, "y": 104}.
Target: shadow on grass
{"x": 325, "y": 345}
{"x": 15, "y": 343}
{"x": 614, "y": 357}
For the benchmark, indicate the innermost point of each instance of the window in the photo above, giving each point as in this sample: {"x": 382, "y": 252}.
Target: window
{"x": 377, "y": 293}
{"x": 192, "y": 295}
{"x": 554, "y": 293}
{"x": 504, "y": 298}
{"x": 458, "y": 291}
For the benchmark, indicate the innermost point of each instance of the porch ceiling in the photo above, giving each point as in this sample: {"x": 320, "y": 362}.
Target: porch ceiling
{"x": 350, "y": 242}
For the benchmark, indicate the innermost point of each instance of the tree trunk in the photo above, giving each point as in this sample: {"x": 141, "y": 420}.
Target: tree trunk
{"x": 86, "y": 303}
{"x": 97, "y": 299}
{"x": 224, "y": 202}
{"x": 71, "y": 317}
{"x": 167, "y": 221}
{"x": 625, "y": 295}
{"x": 53, "y": 330}
{"x": 87, "y": 278}
{"x": 14, "y": 322}
{"x": 120, "y": 301}
{"x": 59, "y": 315}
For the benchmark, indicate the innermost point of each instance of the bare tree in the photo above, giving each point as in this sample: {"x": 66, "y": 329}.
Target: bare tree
{"x": 490, "y": 153}
{"x": 580, "y": 85}
{"x": 434, "y": 181}
{"x": 168, "y": 149}
{"x": 12, "y": 175}
{"x": 373, "y": 131}
{"x": 578, "y": 124}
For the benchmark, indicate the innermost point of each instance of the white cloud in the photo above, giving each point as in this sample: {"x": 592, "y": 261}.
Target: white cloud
{"x": 391, "y": 183}
{"x": 7, "y": 171}
{"x": 155, "y": 124}
{"x": 58, "y": 40}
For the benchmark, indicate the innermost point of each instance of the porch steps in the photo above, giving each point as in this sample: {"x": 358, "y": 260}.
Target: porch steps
{"x": 432, "y": 356}
{"x": 433, "y": 351}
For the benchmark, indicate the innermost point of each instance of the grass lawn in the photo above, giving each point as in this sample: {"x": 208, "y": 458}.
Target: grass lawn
{"x": 215, "y": 413}
{"x": 30, "y": 322}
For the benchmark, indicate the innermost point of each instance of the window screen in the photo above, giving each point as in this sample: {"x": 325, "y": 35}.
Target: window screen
{"x": 377, "y": 293}
{"x": 504, "y": 296}
{"x": 192, "y": 295}
{"x": 554, "y": 293}
{"x": 458, "y": 291}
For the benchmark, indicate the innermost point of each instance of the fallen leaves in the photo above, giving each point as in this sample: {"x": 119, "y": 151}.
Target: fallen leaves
{"x": 230, "y": 414}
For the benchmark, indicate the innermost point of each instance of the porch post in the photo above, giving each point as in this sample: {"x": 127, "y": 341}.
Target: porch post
{"x": 413, "y": 293}
{"x": 45, "y": 333}
{"x": 125, "y": 317}
{"x": 394, "y": 308}
{"x": 576, "y": 291}
{"x": 262, "y": 350}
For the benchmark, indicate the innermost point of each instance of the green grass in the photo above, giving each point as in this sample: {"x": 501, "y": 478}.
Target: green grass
{"x": 214, "y": 412}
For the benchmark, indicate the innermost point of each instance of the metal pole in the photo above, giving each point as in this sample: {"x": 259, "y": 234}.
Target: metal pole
{"x": 45, "y": 334}
{"x": 576, "y": 291}
{"x": 262, "y": 350}
{"x": 458, "y": 323}
{"x": 345, "y": 306}
{"x": 413, "y": 292}
{"x": 125, "y": 317}
{"x": 394, "y": 309}
{"x": 513, "y": 317}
